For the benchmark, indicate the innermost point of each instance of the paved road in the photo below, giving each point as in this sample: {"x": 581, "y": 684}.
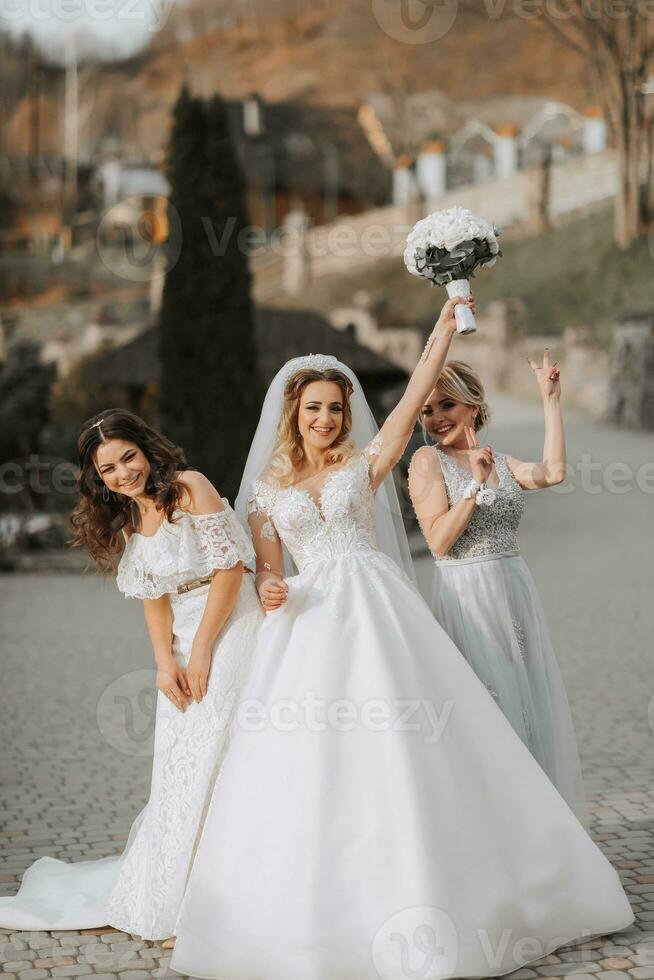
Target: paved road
{"x": 76, "y": 661}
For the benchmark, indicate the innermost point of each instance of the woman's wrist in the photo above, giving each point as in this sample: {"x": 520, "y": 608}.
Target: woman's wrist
{"x": 202, "y": 641}
{"x": 440, "y": 332}
{"x": 165, "y": 661}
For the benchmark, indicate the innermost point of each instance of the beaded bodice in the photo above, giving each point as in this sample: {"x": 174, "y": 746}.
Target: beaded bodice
{"x": 493, "y": 528}
{"x": 342, "y": 522}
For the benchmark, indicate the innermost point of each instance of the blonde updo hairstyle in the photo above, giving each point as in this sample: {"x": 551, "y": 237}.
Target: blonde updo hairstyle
{"x": 460, "y": 382}
{"x": 288, "y": 454}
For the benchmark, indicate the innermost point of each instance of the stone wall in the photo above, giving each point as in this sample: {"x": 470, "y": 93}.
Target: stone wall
{"x": 510, "y": 202}
{"x": 501, "y": 346}
{"x": 631, "y": 382}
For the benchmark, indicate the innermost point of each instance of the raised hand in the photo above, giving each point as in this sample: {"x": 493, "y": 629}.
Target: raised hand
{"x": 481, "y": 458}
{"x": 548, "y": 376}
{"x": 447, "y": 318}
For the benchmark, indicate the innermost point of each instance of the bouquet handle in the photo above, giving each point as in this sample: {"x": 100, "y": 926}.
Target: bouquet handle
{"x": 465, "y": 318}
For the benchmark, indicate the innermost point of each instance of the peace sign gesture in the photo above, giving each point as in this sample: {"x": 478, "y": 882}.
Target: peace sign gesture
{"x": 548, "y": 376}
{"x": 481, "y": 459}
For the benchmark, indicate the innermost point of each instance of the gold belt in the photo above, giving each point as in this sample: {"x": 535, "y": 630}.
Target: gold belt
{"x": 195, "y": 584}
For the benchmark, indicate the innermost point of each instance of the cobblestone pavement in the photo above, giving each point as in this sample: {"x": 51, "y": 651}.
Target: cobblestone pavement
{"x": 76, "y": 719}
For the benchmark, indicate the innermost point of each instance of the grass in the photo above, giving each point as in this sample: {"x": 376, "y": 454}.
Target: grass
{"x": 570, "y": 275}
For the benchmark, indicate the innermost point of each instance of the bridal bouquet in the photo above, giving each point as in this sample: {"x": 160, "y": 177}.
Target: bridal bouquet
{"x": 446, "y": 248}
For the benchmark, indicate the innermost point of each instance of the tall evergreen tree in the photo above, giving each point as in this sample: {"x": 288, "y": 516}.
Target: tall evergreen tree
{"x": 209, "y": 393}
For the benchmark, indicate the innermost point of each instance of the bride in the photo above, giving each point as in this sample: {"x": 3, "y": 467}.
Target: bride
{"x": 376, "y": 815}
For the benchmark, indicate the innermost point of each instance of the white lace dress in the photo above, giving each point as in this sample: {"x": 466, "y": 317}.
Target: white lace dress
{"x": 140, "y": 890}
{"x": 484, "y": 596}
{"x": 376, "y": 815}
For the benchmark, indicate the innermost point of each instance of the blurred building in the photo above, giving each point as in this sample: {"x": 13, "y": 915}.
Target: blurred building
{"x": 131, "y": 371}
{"x": 319, "y": 155}
{"x": 436, "y": 144}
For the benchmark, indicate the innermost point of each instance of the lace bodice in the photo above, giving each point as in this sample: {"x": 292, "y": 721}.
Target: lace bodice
{"x": 191, "y": 547}
{"x": 341, "y": 523}
{"x": 493, "y": 528}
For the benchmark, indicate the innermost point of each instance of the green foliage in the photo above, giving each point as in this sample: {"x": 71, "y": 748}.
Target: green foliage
{"x": 570, "y": 275}
{"x": 209, "y": 392}
{"x": 25, "y": 386}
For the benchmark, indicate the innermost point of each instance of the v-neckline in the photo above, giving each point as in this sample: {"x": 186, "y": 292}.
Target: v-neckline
{"x": 318, "y": 503}
{"x": 464, "y": 469}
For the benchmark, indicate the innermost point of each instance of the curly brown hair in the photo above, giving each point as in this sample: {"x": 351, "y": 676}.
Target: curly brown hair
{"x": 97, "y": 521}
{"x": 288, "y": 454}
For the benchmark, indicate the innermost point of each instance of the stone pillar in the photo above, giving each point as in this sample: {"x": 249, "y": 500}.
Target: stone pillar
{"x": 403, "y": 182}
{"x": 110, "y": 175}
{"x": 631, "y": 388}
{"x": 594, "y": 132}
{"x": 431, "y": 170}
{"x": 296, "y": 273}
{"x": 506, "y": 150}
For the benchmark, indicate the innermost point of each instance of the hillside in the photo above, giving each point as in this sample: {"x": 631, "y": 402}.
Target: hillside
{"x": 325, "y": 53}
{"x": 571, "y": 275}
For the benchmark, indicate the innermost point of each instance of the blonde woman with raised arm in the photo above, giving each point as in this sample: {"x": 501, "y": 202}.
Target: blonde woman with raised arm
{"x": 469, "y": 500}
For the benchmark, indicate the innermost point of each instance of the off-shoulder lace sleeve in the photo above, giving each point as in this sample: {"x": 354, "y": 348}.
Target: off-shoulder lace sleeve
{"x": 218, "y": 540}
{"x": 192, "y": 547}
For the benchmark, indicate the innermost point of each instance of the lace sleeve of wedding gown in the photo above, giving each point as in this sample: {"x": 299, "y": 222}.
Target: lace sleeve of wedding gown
{"x": 374, "y": 447}
{"x": 192, "y": 547}
{"x": 264, "y": 533}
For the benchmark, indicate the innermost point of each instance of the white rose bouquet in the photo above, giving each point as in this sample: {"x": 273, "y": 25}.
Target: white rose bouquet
{"x": 446, "y": 248}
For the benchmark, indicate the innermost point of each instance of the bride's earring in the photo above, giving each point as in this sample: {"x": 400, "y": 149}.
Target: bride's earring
{"x": 105, "y": 493}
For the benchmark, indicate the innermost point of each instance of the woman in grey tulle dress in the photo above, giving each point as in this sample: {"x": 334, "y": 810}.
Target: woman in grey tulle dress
{"x": 469, "y": 501}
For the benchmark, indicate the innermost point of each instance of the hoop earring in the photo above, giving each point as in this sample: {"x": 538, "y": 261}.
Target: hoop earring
{"x": 105, "y": 493}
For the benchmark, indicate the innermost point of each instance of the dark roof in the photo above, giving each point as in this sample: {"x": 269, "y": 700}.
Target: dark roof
{"x": 283, "y": 334}
{"x": 279, "y": 334}
{"x": 300, "y": 145}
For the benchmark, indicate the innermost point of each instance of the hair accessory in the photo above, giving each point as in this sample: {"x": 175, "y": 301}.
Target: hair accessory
{"x": 96, "y": 425}
{"x": 314, "y": 362}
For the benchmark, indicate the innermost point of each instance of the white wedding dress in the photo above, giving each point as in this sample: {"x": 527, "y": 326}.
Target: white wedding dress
{"x": 376, "y": 815}
{"x": 140, "y": 890}
{"x": 483, "y": 595}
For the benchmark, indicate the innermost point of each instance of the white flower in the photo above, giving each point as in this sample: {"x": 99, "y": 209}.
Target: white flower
{"x": 486, "y": 496}
{"x": 446, "y": 230}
